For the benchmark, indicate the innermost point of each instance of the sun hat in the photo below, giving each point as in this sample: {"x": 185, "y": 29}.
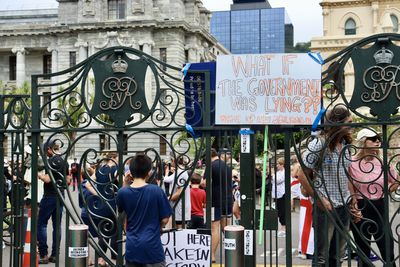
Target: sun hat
{"x": 364, "y": 133}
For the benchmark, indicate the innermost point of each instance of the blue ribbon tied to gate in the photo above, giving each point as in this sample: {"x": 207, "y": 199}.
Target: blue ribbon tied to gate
{"x": 246, "y": 131}
{"x": 317, "y": 119}
{"x": 318, "y": 58}
{"x": 184, "y": 70}
{"x": 190, "y": 130}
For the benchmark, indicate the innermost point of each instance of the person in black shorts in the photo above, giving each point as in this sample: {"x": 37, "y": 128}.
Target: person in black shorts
{"x": 222, "y": 199}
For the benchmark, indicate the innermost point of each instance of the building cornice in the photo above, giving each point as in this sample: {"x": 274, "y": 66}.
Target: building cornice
{"x": 27, "y": 30}
{"x": 346, "y": 4}
{"x": 153, "y": 25}
{"x": 330, "y": 43}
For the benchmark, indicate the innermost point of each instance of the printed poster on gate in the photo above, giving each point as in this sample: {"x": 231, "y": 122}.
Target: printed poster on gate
{"x": 267, "y": 89}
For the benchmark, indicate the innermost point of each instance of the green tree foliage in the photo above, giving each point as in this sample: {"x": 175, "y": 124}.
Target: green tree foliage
{"x": 300, "y": 48}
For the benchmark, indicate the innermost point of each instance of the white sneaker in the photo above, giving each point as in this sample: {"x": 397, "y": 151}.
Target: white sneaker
{"x": 302, "y": 256}
{"x": 281, "y": 234}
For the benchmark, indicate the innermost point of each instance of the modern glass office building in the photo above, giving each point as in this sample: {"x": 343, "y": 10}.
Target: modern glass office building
{"x": 252, "y": 27}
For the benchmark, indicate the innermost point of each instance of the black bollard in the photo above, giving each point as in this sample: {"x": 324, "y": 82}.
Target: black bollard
{"x": 78, "y": 250}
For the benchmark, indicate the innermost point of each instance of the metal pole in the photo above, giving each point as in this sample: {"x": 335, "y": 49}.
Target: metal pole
{"x": 78, "y": 250}
{"x": 234, "y": 246}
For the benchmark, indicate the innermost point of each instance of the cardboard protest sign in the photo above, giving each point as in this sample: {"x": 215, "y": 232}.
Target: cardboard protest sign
{"x": 267, "y": 89}
{"x": 187, "y": 248}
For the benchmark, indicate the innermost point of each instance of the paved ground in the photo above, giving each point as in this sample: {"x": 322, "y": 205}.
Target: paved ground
{"x": 272, "y": 253}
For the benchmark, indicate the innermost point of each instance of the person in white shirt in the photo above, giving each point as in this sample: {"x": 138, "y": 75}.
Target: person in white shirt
{"x": 278, "y": 193}
{"x": 178, "y": 182}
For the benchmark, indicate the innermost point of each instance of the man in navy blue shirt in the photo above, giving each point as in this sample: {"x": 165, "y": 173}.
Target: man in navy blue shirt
{"x": 148, "y": 211}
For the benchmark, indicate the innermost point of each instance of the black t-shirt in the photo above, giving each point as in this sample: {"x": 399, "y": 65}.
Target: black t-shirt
{"x": 59, "y": 169}
{"x": 221, "y": 184}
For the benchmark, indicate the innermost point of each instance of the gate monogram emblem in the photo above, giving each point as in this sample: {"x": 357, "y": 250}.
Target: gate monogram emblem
{"x": 377, "y": 79}
{"x": 119, "y": 83}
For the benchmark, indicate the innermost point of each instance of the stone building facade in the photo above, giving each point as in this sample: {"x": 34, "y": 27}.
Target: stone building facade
{"x": 49, "y": 40}
{"x": 348, "y": 21}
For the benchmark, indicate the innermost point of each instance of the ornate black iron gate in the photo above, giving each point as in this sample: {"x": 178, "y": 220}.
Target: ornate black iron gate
{"x": 102, "y": 112}
{"x": 120, "y": 101}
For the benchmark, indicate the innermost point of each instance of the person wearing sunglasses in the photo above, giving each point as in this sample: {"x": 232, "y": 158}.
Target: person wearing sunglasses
{"x": 367, "y": 179}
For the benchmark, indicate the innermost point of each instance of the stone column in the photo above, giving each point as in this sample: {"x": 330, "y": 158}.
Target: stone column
{"x": 192, "y": 51}
{"x": 374, "y": 6}
{"x": 54, "y": 66}
{"x": 149, "y": 90}
{"x": 83, "y": 50}
{"x": 21, "y": 75}
{"x": 325, "y": 15}
{"x": 147, "y": 46}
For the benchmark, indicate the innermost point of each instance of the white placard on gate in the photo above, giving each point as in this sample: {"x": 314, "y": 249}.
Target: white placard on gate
{"x": 230, "y": 244}
{"x": 245, "y": 141}
{"x": 248, "y": 242}
{"x": 267, "y": 89}
{"x": 78, "y": 252}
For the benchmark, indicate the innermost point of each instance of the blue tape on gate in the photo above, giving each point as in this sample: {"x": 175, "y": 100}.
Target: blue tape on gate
{"x": 317, "y": 58}
{"x": 189, "y": 128}
{"x": 184, "y": 70}
{"x": 317, "y": 120}
{"x": 246, "y": 132}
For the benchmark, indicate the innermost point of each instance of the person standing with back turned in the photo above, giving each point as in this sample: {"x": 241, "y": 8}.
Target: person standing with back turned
{"x": 328, "y": 156}
{"x": 148, "y": 211}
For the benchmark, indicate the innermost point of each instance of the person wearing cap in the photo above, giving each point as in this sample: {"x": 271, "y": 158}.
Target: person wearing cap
{"x": 48, "y": 205}
{"x": 367, "y": 179}
{"x": 328, "y": 155}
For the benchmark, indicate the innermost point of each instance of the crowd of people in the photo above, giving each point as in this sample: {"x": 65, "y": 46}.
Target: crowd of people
{"x": 329, "y": 183}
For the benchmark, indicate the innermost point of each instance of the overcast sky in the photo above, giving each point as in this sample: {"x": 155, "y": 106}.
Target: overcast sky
{"x": 306, "y": 15}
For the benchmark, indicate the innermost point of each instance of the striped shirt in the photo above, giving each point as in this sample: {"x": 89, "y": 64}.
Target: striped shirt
{"x": 331, "y": 180}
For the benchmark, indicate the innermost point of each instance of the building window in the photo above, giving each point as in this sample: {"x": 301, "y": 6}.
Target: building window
{"x": 72, "y": 59}
{"x": 13, "y": 68}
{"x": 104, "y": 142}
{"x": 141, "y": 48}
{"x": 116, "y": 9}
{"x": 395, "y": 22}
{"x": 350, "y": 27}
{"x": 163, "y": 145}
{"x": 163, "y": 57}
{"x": 186, "y": 55}
{"x": 46, "y": 64}
{"x": 46, "y": 103}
